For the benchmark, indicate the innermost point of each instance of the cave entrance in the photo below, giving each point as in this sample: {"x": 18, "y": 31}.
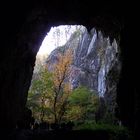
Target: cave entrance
{"x": 75, "y": 70}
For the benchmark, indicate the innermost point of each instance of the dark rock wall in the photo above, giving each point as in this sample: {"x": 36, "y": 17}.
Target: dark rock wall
{"x": 17, "y": 58}
{"x": 17, "y": 67}
{"x": 96, "y": 64}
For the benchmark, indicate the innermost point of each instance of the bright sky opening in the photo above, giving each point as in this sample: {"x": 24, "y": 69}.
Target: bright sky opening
{"x": 57, "y": 36}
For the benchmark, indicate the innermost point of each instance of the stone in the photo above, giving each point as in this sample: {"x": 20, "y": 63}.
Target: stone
{"x": 96, "y": 64}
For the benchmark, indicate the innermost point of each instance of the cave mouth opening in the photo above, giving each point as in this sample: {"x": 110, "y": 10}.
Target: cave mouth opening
{"x": 94, "y": 57}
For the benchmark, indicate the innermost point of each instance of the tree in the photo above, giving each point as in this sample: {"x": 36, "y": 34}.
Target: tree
{"x": 62, "y": 86}
{"x": 56, "y": 36}
{"x": 83, "y": 104}
{"x": 40, "y": 90}
{"x": 52, "y": 88}
{"x": 67, "y": 31}
{"x": 52, "y": 94}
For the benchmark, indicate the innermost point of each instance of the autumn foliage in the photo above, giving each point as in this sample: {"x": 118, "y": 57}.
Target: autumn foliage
{"x": 54, "y": 99}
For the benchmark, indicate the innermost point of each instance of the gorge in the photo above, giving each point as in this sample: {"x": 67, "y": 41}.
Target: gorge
{"x": 24, "y": 26}
{"x": 96, "y": 63}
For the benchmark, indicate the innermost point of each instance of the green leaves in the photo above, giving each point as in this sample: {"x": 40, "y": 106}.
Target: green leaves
{"x": 82, "y": 104}
{"x": 80, "y": 96}
{"x": 51, "y": 97}
{"x": 42, "y": 86}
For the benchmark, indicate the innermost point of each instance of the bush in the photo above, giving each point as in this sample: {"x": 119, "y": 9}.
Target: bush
{"x": 115, "y": 132}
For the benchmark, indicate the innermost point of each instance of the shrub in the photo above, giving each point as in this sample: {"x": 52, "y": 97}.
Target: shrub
{"x": 115, "y": 132}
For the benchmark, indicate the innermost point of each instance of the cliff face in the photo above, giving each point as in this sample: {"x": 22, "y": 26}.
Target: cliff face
{"x": 96, "y": 63}
{"x": 95, "y": 57}
{"x": 105, "y": 17}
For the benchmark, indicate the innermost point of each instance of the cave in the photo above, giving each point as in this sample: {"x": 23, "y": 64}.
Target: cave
{"x": 24, "y": 27}
{"x": 95, "y": 66}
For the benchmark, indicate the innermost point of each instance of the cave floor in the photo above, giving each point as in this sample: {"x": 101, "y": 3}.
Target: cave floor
{"x": 61, "y": 134}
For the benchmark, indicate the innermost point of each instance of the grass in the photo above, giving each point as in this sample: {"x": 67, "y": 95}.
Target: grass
{"x": 115, "y": 132}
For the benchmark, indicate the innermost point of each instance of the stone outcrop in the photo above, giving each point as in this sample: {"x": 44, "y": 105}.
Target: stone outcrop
{"x": 16, "y": 71}
{"x": 96, "y": 63}
{"x": 94, "y": 58}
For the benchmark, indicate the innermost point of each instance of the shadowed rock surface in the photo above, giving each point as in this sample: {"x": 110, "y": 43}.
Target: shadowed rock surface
{"x": 24, "y": 24}
{"x": 53, "y": 135}
{"x": 96, "y": 63}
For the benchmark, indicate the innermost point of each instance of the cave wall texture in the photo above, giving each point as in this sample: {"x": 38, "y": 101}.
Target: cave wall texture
{"x": 24, "y": 24}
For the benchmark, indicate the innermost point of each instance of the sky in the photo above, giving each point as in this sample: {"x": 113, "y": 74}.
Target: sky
{"x": 50, "y": 41}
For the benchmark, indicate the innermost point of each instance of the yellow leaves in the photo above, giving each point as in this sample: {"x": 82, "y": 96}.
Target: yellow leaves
{"x": 74, "y": 113}
{"x": 61, "y": 71}
{"x": 55, "y": 87}
{"x": 67, "y": 88}
{"x": 62, "y": 67}
{"x": 62, "y": 86}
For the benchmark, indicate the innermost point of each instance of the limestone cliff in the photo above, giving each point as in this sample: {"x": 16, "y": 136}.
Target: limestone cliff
{"x": 96, "y": 63}
{"x": 94, "y": 58}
